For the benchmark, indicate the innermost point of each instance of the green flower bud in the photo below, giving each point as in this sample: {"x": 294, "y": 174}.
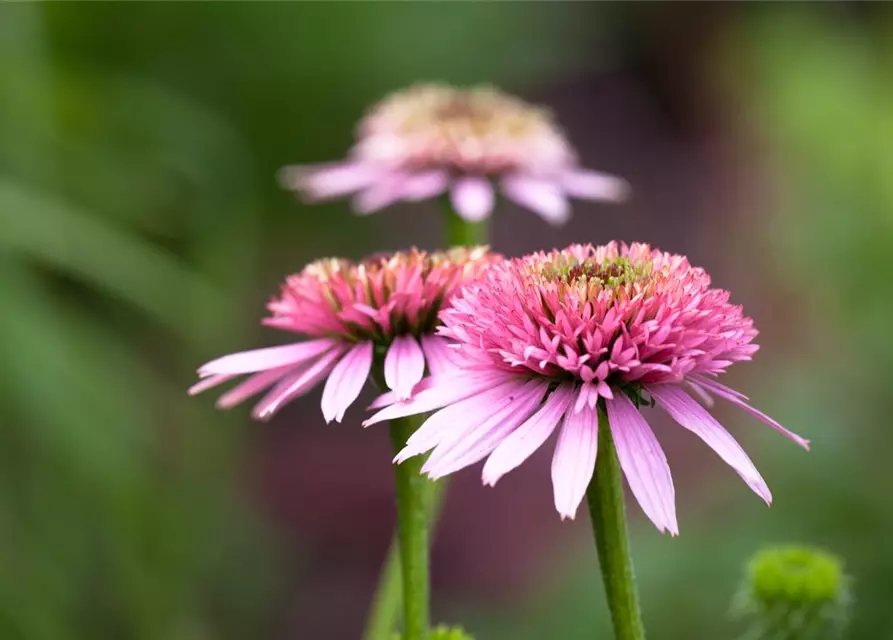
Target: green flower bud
{"x": 443, "y": 632}
{"x": 794, "y": 593}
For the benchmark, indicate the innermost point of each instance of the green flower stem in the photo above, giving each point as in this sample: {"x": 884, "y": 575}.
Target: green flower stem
{"x": 389, "y": 596}
{"x": 385, "y": 604}
{"x": 412, "y": 531}
{"x": 605, "y": 497}
{"x": 461, "y": 233}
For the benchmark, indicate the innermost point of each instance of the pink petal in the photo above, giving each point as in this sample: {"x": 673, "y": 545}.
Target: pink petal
{"x": 320, "y": 182}
{"x": 437, "y": 355}
{"x": 421, "y": 186}
{"x": 587, "y": 396}
{"x": 295, "y": 385}
{"x": 735, "y": 398}
{"x": 527, "y": 438}
{"x": 209, "y": 383}
{"x": 389, "y": 397}
{"x": 574, "y": 460}
{"x": 382, "y": 194}
{"x": 442, "y": 391}
{"x": 268, "y": 358}
{"x": 594, "y": 185}
{"x": 688, "y": 413}
{"x": 404, "y": 366}
{"x": 710, "y": 384}
{"x": 541, "y": 196}
{"x": 705, "y": 398}
{"x": 477, "y": 442}
{"x": 251, "y": 386}
{"x": 472, "y": 198}
{"x": 643, "y": 462}
{"x": 346, "y": 381}
{"x": 457, "y": 418}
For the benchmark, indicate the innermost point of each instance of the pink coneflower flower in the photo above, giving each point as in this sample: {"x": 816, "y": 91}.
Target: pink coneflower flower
{"x": 430, "y": 138}
{"x": 549, "y": 340}
{"x": 352, "y": 313}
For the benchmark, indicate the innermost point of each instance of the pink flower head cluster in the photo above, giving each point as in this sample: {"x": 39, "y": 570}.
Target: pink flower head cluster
{"x": 433, "y": 138}
{"x": 549, "y": 340}
{"x": 352, "y": 313}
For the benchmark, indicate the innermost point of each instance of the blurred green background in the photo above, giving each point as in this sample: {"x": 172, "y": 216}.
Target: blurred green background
{"x": 141, "y": 232}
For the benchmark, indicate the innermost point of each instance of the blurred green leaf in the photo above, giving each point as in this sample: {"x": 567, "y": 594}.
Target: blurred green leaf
{"x": 58, "y": 235}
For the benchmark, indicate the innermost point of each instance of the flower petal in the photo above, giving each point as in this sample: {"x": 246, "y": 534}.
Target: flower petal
{"x": 295, "y": 385}
{"x": 541, "y": 196}
{"x": 421, "y": 186}
{"x": 711, "y": 384}
{"x": 477, "y": 442}
{"x": 688, "y": 413}
{"x": 594, "y": 185}
{"x": 321, "y": 182}
{"x": 736, "y": 398}
{"x": 346, "y": 381}
{"x": 643, "y": 462}
{"x": 472, "y": 197}
{"x": 210, "y": 382}
{"x": 404, "y": 366}
{"x": 456, "y": 419}
{"x": 439, "y": 391}
{"x": 389, "y": 398}
{"x": 382, "y": 194}
{"x": 437, "y": 355}
{"x": 574, "y": 460}
{"x": 268, "y": 358}
{"x": 705, "y": 398}
{"x": 252, "y": 385}
{"x": 527, "y": 438}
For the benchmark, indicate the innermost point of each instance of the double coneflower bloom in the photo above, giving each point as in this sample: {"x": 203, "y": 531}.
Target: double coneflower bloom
{"x": 432, "y": 139}
{"x": 505, "y": 353}
{"x": 548, "y": 341}
{"x": 350, "y": 314}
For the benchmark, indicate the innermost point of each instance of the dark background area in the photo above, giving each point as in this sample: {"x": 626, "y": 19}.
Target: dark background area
{"x": 142, "y": 231}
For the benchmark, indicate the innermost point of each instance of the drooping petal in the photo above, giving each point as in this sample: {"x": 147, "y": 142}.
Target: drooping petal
{"x": 437, "y": 355}
{"x": 421, "y": 186}
{"x": 382, "y": 194}
{"x": 587, "y": 396}
{"x": 705, "y": 398}
{"x": 389, "y": 397}
{"x": 252, "y": 385}
{"x": 643, "y": 462}
{"x": 321, "y": 182}
{"x": 346, "y": 381}
{"x": 733, "y": 396}
{"x": 295, "y": 385}
{"x": 711, "y": 384}
{"x": 473, "y": 198}
{"x": 267, "y": 358}
{"x": 457, "y": 418}
{"x": 688, "y": 413}
{"x": 528, "y": 437}
{"x": 440, "y": 392}
{"x": 541, "y": 196}
{"x": 404, "y": 366}
{"x": 477, "y": 442}
{"x": 594, "y": 185}
{"x": 574, "y": 459}
{"x": 210, "y": 382}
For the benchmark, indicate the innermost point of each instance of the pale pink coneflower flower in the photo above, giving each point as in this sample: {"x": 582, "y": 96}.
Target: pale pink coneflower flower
{"x": 432, "y": 138}
{"x": 352, "y": 314}
{"x": 549, "y": 340}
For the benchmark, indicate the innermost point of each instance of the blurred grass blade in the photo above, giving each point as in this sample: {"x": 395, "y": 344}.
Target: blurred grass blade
{"x": 54, "y": 233}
